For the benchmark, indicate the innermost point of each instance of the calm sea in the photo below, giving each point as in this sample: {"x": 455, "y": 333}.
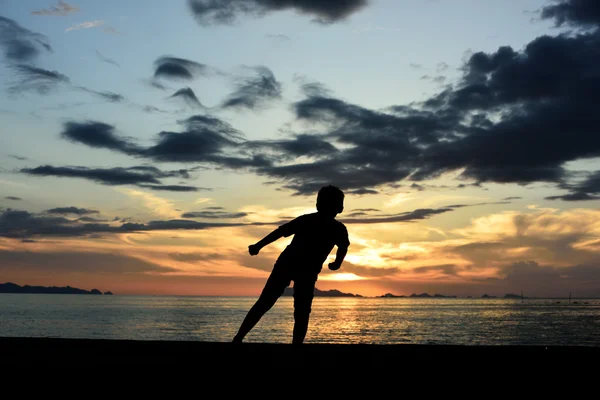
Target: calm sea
{"x": 333, "y": 320}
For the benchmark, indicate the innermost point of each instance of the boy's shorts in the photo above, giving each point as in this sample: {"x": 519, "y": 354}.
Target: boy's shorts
{"x": 304, "y": 285}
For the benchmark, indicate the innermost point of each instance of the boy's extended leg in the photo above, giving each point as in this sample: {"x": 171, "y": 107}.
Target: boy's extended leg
{"x": 274, "y": 288}
{"x": 304, "y": 291}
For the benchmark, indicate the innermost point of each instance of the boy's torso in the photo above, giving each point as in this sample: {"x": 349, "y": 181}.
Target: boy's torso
{"x": 314, "y": 238}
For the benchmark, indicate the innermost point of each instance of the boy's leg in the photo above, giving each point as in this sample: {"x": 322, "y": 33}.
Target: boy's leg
{"x": 304, "y": 290}
{"x": 276, "y": 284}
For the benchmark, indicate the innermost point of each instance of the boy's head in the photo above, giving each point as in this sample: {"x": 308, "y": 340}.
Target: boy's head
{"x": 330, "y": 200}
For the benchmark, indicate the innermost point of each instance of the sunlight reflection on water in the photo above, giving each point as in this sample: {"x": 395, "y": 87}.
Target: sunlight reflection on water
{"x": 333, "y": 320}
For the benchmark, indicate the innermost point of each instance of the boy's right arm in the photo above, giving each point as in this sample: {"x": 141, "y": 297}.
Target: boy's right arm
{"x": 339, "y": 258}
{"x": 254, "y": 249}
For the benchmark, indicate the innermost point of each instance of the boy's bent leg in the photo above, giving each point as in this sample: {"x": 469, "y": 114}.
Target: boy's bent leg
{"x": 273, "y": 289}
{"x": 304, "y": 290}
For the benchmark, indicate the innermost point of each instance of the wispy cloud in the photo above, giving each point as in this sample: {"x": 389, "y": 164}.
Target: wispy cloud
{"x": 92, "y": 24}
{"x": 20, "y": 44}
{"x": 85, "y": 25}
{"x": 62, "y": 9}
{"x": 107, "y": 60}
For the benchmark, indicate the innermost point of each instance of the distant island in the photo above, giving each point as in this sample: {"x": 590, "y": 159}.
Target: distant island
{"x": 14, "y": 288}
{"x": 427, "y": 295}
{"x": 289, "y": 291}
{"x": 422, "y": 295}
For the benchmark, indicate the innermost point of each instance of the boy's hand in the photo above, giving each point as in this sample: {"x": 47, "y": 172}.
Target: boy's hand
{"x": 334, "y": 266}
{"x": 253, "y": 249}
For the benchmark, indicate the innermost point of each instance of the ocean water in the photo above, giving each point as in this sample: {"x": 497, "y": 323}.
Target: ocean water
{"x": 333, "y": 320}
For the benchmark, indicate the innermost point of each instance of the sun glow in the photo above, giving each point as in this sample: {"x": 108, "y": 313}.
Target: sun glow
{"x": 343, "y": 276}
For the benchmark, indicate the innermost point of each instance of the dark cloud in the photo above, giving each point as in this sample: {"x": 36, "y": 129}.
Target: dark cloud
{"x": 513, "y": 117}
{"x": 205, "y": 139}
{"x": 416, "y": 66}
{"x": 107, "y": 60}
{"x": 211, "y": 214}
{"x": 254, "y": 92}
{"x": 178, "y": 68}
{"x": 71, "y": 210}
{"x": 98, "y": 135}
{"x": 576, "y": 13}
{"x": 362, "y": 191}
{"x": 208, "y": 12}
{"x": 61, "y": 262}
{"x": 589, "y": 189}
{"x": 109, "y": 96}
{"x": 20, "y": 44}
{"x": 512, "y": 198}
{"x": 37, "y": 79}
{"x": 62, "y": 9}
{"x": 13, "y": 198}
{"x": 446, "y": 269}
{"x": 23, "y": 224}
{"x": 301, "y": 145}
{"x": 408, "y": 216}
{"x": 145, "y": 177}
{"x": 188, "y": 96}
{"x": 173, "y": 188}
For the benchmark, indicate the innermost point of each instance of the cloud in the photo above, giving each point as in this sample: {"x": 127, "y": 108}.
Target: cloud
{"x": 178, "y": 68}
{"x": 589, "y": 189}
{"x": 88, "y": 262}
{"x": 62, "y": 9}
{"x": 576, "y": 13}
{"x": 71, "y": 210}
{"x": 13, "y": 198}
{"x": 254, "y": 92}
{"x": 173, "y": 188}
{"x": 188, "y": 96}
{"x": 212, "y": 214}
{"x": 512, "y": 117}
{"x": 23, "y": 224}
{"x": 205, "y": 139}
{"x": 107, "y": 60}
{"x": 142, "y": 176}
{"x": 85, "y": 25}
{"x": 208, "y": 12}
{"x": 20, "y": 44}
{"x": 37, "y": 79}
{"x": 279, "y": 37}
{"x": 98, "y": 135}
{"x": 109, "y": 96}
{"x": 409, "y": 216}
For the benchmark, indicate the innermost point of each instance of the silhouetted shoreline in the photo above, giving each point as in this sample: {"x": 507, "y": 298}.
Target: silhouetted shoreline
{"x": 61, "y": 352}
{"x": 10, "y": 287}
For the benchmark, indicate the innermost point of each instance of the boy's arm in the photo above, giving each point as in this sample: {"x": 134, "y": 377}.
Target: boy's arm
{"x": 270, "y": 238}
{"x": 339, "y": 258}
{"x": 342, "y": 248}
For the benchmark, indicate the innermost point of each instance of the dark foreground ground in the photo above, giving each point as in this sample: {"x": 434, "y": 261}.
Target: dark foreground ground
{"x": 37, "y": 352}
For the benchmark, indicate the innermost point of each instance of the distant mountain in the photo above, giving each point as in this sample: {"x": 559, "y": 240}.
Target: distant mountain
{"x": 391, "y": 295}
{"x": 427, "y": 295}
{"x": 289, "y": 291}
{"x": 13, "y": 288}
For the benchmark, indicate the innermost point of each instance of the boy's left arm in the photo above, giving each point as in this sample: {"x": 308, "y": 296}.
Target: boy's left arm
{"x": 342, "y": 250}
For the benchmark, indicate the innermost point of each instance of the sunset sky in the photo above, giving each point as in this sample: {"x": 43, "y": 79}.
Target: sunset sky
{"x": 145, "y": 144}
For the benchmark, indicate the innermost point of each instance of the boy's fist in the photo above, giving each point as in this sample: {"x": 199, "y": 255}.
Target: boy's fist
{"x": 253, "y": 249}
{"x": 334, "y": 266}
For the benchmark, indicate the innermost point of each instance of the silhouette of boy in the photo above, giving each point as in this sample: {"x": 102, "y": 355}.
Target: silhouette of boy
{"x": 301, "y": 261}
